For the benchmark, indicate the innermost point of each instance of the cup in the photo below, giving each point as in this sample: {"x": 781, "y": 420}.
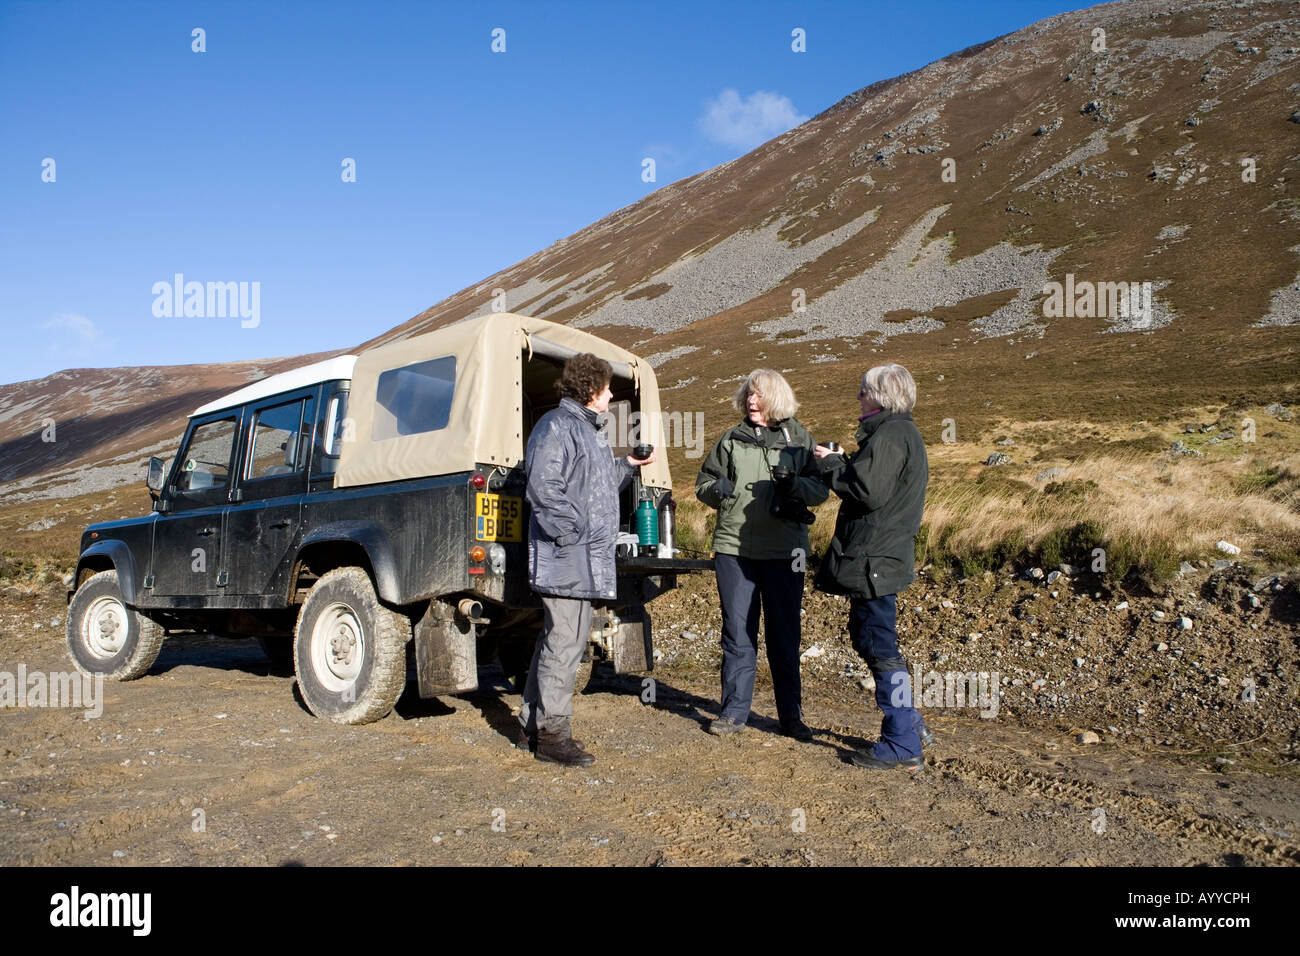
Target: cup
{"x": 642, "y": 451}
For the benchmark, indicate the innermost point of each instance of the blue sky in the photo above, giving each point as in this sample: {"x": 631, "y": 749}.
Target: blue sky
{"x": 226, "y": 165}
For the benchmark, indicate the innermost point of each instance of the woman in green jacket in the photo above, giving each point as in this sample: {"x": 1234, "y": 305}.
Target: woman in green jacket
{"x": 761, "y": 476}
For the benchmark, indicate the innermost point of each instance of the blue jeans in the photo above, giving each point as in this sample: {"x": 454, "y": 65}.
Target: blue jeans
{"x": 872, "y": 628}
{"x": 743, "y": 585}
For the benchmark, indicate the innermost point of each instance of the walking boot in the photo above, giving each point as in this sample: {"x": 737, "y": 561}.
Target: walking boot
{"x": 562, "y": 749}
{"x": 527, "y": 741}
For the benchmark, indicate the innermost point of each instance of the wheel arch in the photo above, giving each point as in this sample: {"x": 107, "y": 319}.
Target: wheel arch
{"x": 349, "y": 544}
{"x": 108, "y": 556}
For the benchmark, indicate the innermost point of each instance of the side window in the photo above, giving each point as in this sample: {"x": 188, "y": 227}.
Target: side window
{"x": 414, "y": 399}
{"x": 280, "y": 437}
{"x": 335, "y": 429}
{"x": 205, "y": 462}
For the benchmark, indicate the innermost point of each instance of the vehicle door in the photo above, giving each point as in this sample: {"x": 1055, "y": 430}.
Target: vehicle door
{"x": 263, "y": 523}
{"x": 186, "y": 554}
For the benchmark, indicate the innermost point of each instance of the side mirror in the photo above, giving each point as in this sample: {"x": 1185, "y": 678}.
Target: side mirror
{"x": 156, "y": 474}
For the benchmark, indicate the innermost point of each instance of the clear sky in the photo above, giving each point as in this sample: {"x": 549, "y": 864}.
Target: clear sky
{"x": 227, "y": 165}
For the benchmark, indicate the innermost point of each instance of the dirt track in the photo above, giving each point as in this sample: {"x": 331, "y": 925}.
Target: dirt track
{"x": 439, "y": 781}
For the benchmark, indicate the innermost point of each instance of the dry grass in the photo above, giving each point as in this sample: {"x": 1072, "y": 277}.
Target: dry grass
{"x": 1148, "y": 510}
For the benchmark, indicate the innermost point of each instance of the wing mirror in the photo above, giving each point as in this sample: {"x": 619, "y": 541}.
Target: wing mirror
{"x": 156, "y": 474}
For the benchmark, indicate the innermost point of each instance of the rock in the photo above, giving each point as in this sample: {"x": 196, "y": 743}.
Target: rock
{"x": 1050, "y": 474}
{"x": 1034, "y": 574}
{"x": 1052, "y": 576}
{"x": 1161, "y": 647}
{"x": 1006, "y": 442}
{"x": 1255, "y": 602}
{"x": 690, "y": 636}
{"x": 1179, "y": 449}
{"x": 1078, "y": 662}
{"x": 119, "y": 854}
{"x": 868, "y": 684}
{"x": 1088, "y": 737}
{"x": 1221, "y": 565}
{"x": 1280, "y": 412}
{"x": 1157, "y": 615}
{"x": 1186, "y": 568}
{"x": 1122, "y": 606}
{"x": 1184, "y": 624}
{"x": 1228, "y": 548}
{"x": 1038, "y": 684}
{"x": 1263, "y": 584}
{"x": 998, "y": 458}
{"x": 812, "y": 653}
{"x": 1069, "y": 569}
{"x": 946, "y": 604}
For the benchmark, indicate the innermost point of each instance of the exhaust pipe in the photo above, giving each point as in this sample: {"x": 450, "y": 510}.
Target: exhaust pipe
{"x": 471, "y": 610}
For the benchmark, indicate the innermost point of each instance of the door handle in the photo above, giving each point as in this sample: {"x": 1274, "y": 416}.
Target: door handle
{"x": 282, "y": 524}
{"x": 207, "y": 532}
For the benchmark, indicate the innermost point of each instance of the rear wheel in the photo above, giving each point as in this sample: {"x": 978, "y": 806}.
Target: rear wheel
{"x": 106, "y": 637}
{"x": 349, "y": 650}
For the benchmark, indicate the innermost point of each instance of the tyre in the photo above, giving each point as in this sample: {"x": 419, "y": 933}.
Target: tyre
{"x": 349, "y": 651}
{"x": 107, "y": 637}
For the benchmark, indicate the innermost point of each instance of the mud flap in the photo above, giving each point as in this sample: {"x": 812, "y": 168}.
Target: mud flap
{"x": 446, "y": 652}
{"x": 633, "y": 647}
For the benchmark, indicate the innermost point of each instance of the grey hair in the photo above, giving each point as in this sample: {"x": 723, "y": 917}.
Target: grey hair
{"x": 892, "y": 386}
{"x": 777, "y": 397}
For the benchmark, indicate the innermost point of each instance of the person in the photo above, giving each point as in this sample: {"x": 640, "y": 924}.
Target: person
{"x": 872, "y": 555}
{"x": 573, "y": 483}
{"x": 761, "y": 476}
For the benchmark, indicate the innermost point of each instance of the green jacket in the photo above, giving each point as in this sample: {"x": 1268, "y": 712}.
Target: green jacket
{"x": 882, "y": 486}
{"x": 746, "y": 454}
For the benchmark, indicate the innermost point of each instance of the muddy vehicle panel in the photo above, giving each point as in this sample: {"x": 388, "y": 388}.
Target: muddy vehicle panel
{"x": 362, "y": 509}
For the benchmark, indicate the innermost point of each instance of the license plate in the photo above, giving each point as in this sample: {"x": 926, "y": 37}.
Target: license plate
{"x": 498, "y": 517}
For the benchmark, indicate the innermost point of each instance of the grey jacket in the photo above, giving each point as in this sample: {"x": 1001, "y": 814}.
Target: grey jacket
{"x": 573, "y": 486}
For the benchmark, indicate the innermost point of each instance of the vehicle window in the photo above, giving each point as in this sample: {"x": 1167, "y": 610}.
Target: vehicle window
{"x": 205, "y": 463}
{"x": 280, "y": 435}
{"x": 335, "y": 429}
{"x": 414, "y": 399}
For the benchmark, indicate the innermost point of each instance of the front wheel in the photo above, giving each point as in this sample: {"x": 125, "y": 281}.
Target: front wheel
{"x": 106, "y": 637}
{"x": 349, "y": 650}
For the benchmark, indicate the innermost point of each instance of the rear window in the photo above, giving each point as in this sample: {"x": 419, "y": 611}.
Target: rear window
{"x": 414, "y": 399}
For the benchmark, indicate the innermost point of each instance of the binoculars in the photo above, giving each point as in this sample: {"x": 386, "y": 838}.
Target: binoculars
{"x": 784, "y": 504}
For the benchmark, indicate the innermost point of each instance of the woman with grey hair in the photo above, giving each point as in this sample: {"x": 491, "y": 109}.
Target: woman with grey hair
{"x": 873, "y": 554}
{"x": 761, "y": 476}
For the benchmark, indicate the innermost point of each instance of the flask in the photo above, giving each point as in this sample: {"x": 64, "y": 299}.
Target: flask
{"x": 647, "y": 523}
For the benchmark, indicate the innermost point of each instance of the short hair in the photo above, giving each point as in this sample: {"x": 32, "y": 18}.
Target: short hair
{"x": 776, "y": 397}
{"x": 892, "y": 387}
{"x": 584, "y": 377}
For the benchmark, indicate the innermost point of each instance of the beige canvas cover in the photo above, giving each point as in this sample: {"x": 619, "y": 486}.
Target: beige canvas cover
{"x": 485, "y": 424}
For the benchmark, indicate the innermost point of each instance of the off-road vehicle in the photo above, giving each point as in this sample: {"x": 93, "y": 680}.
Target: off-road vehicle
{"x": 346, "y": 510}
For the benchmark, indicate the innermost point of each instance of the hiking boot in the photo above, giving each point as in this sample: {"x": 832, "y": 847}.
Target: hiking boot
{"x": 863, "y": 758}
{"x": 562, "y": 749}
{"x": 527, "y": 741}
{"x": 796, "y": 728}
{"x": 724, "y": 726}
